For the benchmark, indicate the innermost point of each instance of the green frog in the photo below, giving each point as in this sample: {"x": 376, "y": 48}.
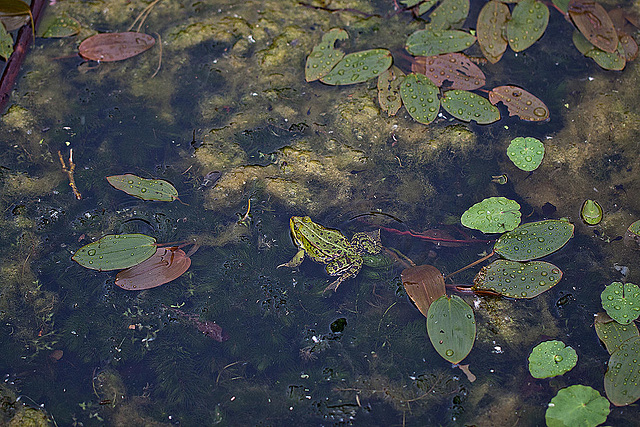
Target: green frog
{"x": 327, "y": 246}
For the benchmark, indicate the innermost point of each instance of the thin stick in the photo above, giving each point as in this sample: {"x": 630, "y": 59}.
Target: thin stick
{"x": 160, "y": 58}
{"x": 484, "y": 258}
{"x": 142, "y": 16}
{"x": 69, "y": 171}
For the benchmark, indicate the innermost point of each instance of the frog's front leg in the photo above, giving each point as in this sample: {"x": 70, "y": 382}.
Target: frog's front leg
{"x": 295, "y": 261}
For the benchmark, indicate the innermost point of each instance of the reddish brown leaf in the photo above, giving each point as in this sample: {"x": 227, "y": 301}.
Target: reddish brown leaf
{"x": 594, "y": 23}
{"x": 164, "y": 266}
{"x": 115, "y": 46}
{"x": 490, "y": 28}
{"x": 456, "y": 68}
{"x": 424, "y": 284}
{"x": 520, "y": 103}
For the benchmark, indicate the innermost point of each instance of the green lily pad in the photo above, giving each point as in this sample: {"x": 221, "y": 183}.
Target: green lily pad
{"x": 420, "y": 97}
{"x": 428, "y": 42}
{"x": 144, "y": 188}
{"x": 324, "y": 56}
{"x": 468, "y": 106}
{"x": 551, "y": 358}
{"x": 591, "y": 212}
{"x": 526, "y": 153}
{"x": 422, "y": 6}
{"x": 389, "y": 90}
{"x": 449, "y": 14}
{"x": 61, "y": 26}
{"x": 528, "y": 21}
{"x": 517, "y": 279}
{"x": 614, "y": 61}
{"x": 612, "y": 333}
{"x": 621, "y": 301}
{"x": 116, "y": 252}
{"x": 411, "y": 3}
{"x": 622, "y": 379}
{"x": 634, "y": 228}
{"x": 577, "y": 405}
{"x": 492, "y": 215}
{"x": 359, "y": 67}
{"x": 534, "y": 240}
{"x": 451, "y": 326}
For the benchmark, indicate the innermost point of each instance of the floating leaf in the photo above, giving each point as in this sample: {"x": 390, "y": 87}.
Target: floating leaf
{"x": 591, "y": 212}
{"x": 143, "y": 188}
{"x": 527, "y": 24}
{"x": 520, "y": 103}
{"x": 420, "y": 97}
{"x": 358, "y": 67}
{"x": 424, "y": 284}
{"x": 612, "y": 333}
{"x": 6, "y": 43}
{"x": 429, "y": 43}
{"x": 12, "y": 23}
{"x": 492, "y": 21}
{"x": 562, "y": 5}
{"x": 116, "y": 251}
{"x": 324, "y": 56}
{"x": 468, "y": 106}
{"x": 165, "y": 265}
{"x": 61, "y": 26}
{"x": 492, "y": 215}
{"x": 449, "y": 14}
{"x": 551, "y": 358}
{"x": 615, "y": 61}
{"x": 13, "y": 8}
{"x": 621, "y": 301}
{"x": 517, "y": 279}
{"x": 622, "y": 379}
{"x": 452, "y": 328}
{"x": 594, "y": 23}
{"x": 424, "y": 7}
{"x": 534, "y": 240}
{"x": 526, "y": 153}
{"x": 411, "y": 3}
{"x": 629, "y": 46}
{"x": 577, "y": 405}
{"x": 115, "y": 46}
{"x": 455, "y": 68}
{"x": 633, "y": 233}
{"x": 389, "y": 90}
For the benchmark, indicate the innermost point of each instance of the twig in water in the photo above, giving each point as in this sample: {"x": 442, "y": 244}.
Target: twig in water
{"x": 69, "y": 171}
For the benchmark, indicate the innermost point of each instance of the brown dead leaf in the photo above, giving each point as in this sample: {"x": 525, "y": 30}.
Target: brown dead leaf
{"x": 520, "y": 103}
{"x": 115, "y": 46}
{"x": 164, "y": 266}
{"x": 492, "y": 21}
{"x": 424, "y": 284}
{"x": 455, "y": 68}
{"x": 593, "y": 21}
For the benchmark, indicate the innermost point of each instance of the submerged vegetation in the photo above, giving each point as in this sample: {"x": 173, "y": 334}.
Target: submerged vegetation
{"x": 224, "y": 105}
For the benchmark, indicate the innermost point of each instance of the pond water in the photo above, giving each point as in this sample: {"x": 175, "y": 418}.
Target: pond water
{"x": 220, "y": 108}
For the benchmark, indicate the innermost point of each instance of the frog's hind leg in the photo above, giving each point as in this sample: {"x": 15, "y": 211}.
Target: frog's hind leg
{"x": 367, "y": 242}
{"x": 295, "y": 261}
{"x": 333, "y": 286}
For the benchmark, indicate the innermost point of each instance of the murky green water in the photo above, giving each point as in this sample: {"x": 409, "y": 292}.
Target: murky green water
{"x": 230, "y": 96}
